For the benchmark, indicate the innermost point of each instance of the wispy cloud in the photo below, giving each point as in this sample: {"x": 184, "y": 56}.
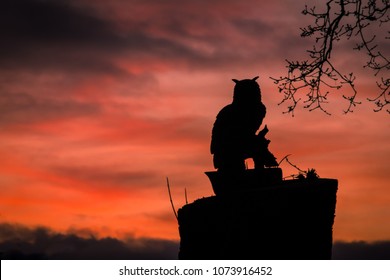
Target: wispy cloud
{"x": 25, "y": 108}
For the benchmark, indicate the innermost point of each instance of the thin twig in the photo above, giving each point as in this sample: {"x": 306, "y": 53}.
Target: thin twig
{"x": 293, "y": 165}
{"x": 185, "y": 195}
{"x": 283, "y": 159}
{"x": 170, "y": 198}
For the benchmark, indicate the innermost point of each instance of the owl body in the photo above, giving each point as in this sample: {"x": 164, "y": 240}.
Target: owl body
{"x": 234, "y": 136}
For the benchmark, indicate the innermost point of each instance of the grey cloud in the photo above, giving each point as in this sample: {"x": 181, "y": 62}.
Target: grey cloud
{"x": 253, "y": 27}
{"x": 20, "y": 242}
{"x": 52, "y": 22}
{"x": 55, "y": 35}
{"x": 26, "y": 108}
{"x": 40, "y": 34}
{"x": 361, "y": 250}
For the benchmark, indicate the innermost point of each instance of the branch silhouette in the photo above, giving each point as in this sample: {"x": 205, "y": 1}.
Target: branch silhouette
{"x": 317, "y": 76}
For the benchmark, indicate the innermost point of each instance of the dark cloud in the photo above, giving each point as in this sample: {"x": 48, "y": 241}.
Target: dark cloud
{"x": 252, "y": 27}
{"x": 52, "y": 22}
{"x": 111, "y": 176}
{"x": 25, "y": 108}
{"x": 44, "y": 35}
{"x": 360, "y": 250}
{"x": 19, "y": 242}
{"x": 38, "y": 34}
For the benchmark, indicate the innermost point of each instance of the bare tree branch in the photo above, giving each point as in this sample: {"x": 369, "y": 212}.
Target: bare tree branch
{"x": 312, "y": 80}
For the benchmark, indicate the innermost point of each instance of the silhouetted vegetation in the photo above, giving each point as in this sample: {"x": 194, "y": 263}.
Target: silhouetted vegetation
{"x": 311, "y": 80}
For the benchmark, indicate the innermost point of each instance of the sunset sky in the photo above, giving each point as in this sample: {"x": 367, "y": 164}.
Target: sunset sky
{"x": 100, "y": 101}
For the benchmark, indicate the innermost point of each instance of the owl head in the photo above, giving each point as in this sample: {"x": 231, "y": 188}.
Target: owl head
{"x": 246, "y": 92}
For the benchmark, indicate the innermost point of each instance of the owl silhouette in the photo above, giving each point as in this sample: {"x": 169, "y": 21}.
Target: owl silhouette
{"x": 234, "y": 137}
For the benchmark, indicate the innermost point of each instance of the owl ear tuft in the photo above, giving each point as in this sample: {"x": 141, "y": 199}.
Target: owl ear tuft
{"x": 255, "y": 78}
{"x": 235, "y": 80}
